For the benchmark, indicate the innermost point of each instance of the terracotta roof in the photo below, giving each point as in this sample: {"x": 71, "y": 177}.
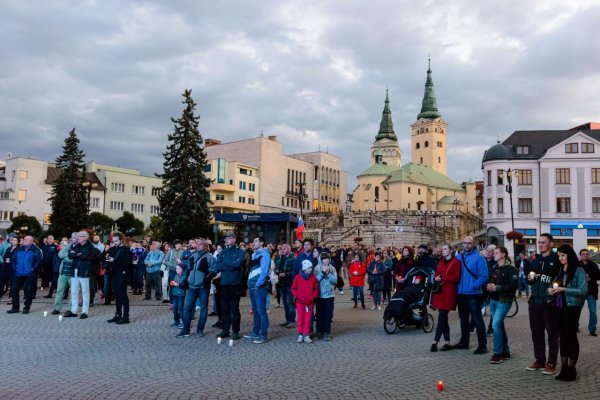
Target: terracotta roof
{"x": 53, "y": 173}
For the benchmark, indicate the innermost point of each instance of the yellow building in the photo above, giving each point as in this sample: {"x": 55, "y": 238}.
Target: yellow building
{"x": 421, "y": 184}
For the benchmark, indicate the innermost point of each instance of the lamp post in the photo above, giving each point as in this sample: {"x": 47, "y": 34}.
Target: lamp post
{"x": 89, "y": 186}
{"x": 301, "y": 186}
{"x": 510, "y": 173}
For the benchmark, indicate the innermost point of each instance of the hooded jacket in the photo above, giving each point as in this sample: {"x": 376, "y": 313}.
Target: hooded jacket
{"x": 469, "y": 284}
{"x": 259, "y": 269}
{"x": 305, "y": 289}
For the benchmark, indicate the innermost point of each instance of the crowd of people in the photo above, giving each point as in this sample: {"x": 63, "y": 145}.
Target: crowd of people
{"x": 303, "y": 279}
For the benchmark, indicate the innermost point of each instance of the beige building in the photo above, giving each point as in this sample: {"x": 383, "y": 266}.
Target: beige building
{"x": 127, "y": 190}
{"x": 288, "y": 183}
{"x": 421, "y": 184}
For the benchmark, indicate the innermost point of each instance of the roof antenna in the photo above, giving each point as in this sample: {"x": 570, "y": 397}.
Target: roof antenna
{"x": 261, "y": 133}
{"x": 498, "y": 141}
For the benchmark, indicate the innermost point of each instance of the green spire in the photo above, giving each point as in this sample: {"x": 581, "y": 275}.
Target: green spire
{"x": 429, "y": 108}
{"x": 386, "y": 127}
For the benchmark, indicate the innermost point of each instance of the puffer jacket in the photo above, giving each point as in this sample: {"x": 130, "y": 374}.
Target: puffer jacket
{"x": 27, "y": 261}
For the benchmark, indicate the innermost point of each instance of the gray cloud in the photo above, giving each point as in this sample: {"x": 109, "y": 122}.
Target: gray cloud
{"x": 313, "y": 73}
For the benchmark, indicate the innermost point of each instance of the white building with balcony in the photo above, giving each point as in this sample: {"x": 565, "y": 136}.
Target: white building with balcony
{"x": 556, "y": 188}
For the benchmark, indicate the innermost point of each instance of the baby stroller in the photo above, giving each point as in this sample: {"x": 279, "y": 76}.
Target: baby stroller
{"x": 408, "y": 307}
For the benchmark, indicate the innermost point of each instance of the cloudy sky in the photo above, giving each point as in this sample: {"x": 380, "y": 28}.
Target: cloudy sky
{"x": 311, "y": 72}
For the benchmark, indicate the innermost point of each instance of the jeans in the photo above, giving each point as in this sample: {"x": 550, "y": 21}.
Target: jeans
{"x": 177, "y": 308}
{"x": 64, "y": 282}
{"x": 258, "y": 299}
{"x": 499, "y": 310}
{"x": 591, "y": 302}
{"x": 469, "y": 305}
{"x": 523, "y": 285}
{"x": 119, "y": 284}
{"x": 28, "y": 283}
{"x": 230, "y": 302}
{"x": 543, "y": 319}
{"x": 190, "y": 304}
{"x": 377, "y": 297}
{"x": 324, "y": 315}
{"x": 288, "y": 303}
{"x": 442, "y": 328}
{"x": 84, "y": 283}
{"x": 167, "y": 291}
{"x": 358, "y": 292}
{"x": 153, "y": 277}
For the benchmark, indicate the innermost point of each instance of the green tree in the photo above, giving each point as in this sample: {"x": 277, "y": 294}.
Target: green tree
{"x": 155, "y": 229}
{"x": 101, "y": 223}
{"x": 184, "y": 198}
{"x": 26, "y": 225}
{"x": 129, "y": 224}
{"x": 69, "y": 197}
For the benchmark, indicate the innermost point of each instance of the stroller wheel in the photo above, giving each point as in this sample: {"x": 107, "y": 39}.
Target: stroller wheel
{"x": 427, "y": 323}
{"x": 389, "y": 325}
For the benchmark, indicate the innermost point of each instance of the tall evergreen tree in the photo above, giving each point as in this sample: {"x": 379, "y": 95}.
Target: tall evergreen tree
{"x": 69, "y": 196}
{"x": 184, "y": 198}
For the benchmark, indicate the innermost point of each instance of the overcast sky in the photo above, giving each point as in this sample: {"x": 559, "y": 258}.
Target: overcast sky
{"x": 311, "y": 72}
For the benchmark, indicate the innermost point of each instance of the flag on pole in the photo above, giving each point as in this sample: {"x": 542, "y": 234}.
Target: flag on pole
{"x": 299, "y": 229}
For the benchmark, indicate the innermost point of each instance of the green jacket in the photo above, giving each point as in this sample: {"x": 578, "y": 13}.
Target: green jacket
{"x": 285, "y": 265}
{"x": 548, "y": 269}
{"x": 576, "y": 290}
{"x": 506, "y": 279}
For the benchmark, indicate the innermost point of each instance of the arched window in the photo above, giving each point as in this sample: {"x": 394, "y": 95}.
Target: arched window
{"x": 418, "y": 146}
{"x": 426, "y": 144}
{"x": 376, "y": 193}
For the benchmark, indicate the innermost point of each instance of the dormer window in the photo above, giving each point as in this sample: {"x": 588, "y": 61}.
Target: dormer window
{"x": 587, "y": 147}
{"x": 571, "y": 148}
{"x": 523, "y": 150}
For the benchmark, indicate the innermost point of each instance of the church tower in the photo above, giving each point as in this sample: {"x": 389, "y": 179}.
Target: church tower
{"x": 386, "y": 141}
{"x": 429, "y": 132}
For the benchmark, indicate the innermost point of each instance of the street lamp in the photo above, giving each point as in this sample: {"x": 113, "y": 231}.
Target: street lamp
{"x": 510, "y": 173}
{"x": 89, "y": 186}
{"x": 301, "y": 186}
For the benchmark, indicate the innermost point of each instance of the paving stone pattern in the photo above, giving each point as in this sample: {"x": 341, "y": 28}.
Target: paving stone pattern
{"x": 43, "y": 358}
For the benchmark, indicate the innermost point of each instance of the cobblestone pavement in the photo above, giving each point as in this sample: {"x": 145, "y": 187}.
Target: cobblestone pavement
{"x": 43, "y": 358}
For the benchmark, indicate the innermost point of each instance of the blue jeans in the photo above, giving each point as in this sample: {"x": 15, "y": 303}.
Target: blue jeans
{"x": 258, "y": 299}
{"x": 469, "y": 305}
{"x": 106, "y": 289}
{"x": 358, "y": 292}
{"x": 177, "y": 308}
{"x": 190, "y": 304}
{"x": 591, "y": 302}
{"x": 288, "y": 303}
{"x": 498, "y": 310}
{"x": 523, "y": 285}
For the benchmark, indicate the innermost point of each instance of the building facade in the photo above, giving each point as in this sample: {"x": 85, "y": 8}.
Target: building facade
{"x": 555, "y": 181}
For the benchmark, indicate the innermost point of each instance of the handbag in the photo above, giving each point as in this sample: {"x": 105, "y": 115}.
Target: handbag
{"x": 437, "y": 286}
{"x": 556, "y": 301}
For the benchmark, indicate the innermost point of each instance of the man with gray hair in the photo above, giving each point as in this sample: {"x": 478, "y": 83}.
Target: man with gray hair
{"x": 81, "y": 254}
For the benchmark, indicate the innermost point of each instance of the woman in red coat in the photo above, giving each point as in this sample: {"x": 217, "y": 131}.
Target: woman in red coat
{"x": 357, "y": 272}
{"x": 402, "y": 266}
{"x": 448, "y": 274}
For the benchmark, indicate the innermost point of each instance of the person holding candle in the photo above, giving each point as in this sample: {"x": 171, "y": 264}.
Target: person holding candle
{"x": 504, "y": 281}
{"x": 572, "y": 286}
{"x": 448, "y": 276}
{"x": 543, "y": 319}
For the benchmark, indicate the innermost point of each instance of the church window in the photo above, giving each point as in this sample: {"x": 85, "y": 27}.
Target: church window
{"x": 426, "y": 144}
{"x": 418, "y": 146}
{"x": 418, "y": 191}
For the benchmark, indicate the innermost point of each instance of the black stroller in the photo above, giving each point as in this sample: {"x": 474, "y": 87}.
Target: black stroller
{"x": 409, "y": 307}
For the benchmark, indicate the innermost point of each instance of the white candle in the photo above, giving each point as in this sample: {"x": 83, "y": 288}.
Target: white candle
{"x": 230, "y": 342}
{"x": 45, "y": 313}
{"x": 555, "y": 285}
{"x": 531, "y": 275}
{"x": 219, "y": 340}
{"x": 60, "y": 318}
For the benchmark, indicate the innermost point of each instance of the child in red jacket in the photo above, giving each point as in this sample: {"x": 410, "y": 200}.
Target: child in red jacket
{"x": 305, "y": 290}
{"x": 357, "y": 272}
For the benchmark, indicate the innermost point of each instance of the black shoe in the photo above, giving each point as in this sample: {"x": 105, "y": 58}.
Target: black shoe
{"x": 25, "y": 311}
{"x": 116, "y": 318}
{"x": 218, "y": 324}
{"x": 91, "y": 304}
{"x": 165, "y": 301}
{"x": 69, "y": 314}
{"x": 55, "y": 312}
{"x": 236, "y": 336}
{"x": 363, "y": 306}
{"x": 13, "y": 311}
{"x": 505, "y": 356}
{"x": 212, "y": 314}
{"x": 480, "y": 350}
{"x": 48, "y": 296}
{"x": 489, "y": 332}
{"x": 446, "y": 347}
{"x": 461, "y": 346}
{"x": 562, "y": 375}
{"x": 222, "y": 335}
{"x": 593, "y": 334}
{"x": 124, "y": 320}
{"x": 284, "y": 324}
{"x": 433, "y": 348}
{"x": 83, "y": 316}
{"x": 182, "y": 334}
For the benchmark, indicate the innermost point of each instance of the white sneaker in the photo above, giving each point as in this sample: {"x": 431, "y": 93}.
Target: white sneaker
{"x": 373, "y": 308}
{"x": 341, "y": 292}
{"x": 300, "y": 338}
{"x": 307, "y": 339}
{"x": 379, "y": 308}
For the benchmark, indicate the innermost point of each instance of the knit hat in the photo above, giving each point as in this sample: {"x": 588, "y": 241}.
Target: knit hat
{"x": 11, "y": 235}
{"x": 306, "y": 265}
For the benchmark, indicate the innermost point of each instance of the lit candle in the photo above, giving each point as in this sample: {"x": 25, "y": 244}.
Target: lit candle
{"x": 230, "y": 342}
{"x": 555, "y": 285}
{"x": 531, "y": 275}
{"x": 45, "y": 313}
{"x": 60, "y": 318}
{"x": 219, "y": 340}
{"x": 440, "y": 386}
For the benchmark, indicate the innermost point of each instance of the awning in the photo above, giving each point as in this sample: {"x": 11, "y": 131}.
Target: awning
{"x": 255, "y": 217}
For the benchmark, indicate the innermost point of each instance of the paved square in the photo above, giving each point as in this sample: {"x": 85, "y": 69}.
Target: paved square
{"x": 43, "y": 358}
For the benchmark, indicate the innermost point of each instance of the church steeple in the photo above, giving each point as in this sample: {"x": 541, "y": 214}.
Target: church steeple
{"x": 429, "y": 108}
{"x": 386, "y": 127}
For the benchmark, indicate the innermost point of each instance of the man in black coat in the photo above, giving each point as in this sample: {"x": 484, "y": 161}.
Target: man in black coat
{"x": 593, "y": 276}
{"x": 50, "y": 266}
{"x": 82, "y": 254}
{"x": 119, "y": 264}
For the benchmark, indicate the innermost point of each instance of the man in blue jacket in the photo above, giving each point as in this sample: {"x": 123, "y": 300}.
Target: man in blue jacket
{"x": 229, "y": 267}
{"x": 259, "y": 288}
{"x": 153, "y": 261}
{"x": 26, "y": 261}
{"x": 473, "y": 276}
